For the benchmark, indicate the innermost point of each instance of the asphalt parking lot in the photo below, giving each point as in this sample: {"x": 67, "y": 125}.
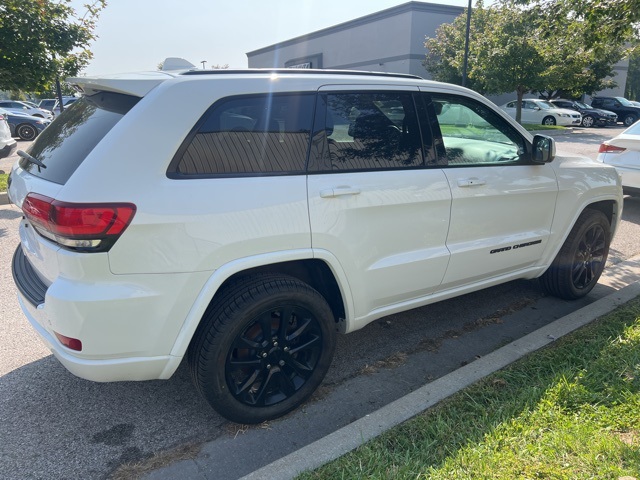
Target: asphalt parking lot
{"x": 54, "y": 425}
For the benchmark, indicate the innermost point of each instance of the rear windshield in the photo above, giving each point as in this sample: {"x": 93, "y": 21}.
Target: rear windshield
{"x": 64, "y": 144}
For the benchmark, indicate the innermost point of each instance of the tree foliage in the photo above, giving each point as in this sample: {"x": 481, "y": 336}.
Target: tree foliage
{"x": 520, "y": 49}
{"x": 43, "y": 39}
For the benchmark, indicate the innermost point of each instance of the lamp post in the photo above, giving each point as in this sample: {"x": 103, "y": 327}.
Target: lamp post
{"x": 466, "y": 47}
{"x": 204, "y": 61}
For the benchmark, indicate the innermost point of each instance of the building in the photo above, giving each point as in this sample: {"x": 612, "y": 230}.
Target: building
{"x": 391, "y": 40}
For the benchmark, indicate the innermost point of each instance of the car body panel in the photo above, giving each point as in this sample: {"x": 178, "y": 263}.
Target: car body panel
{"x": 626, "y": 162}
{"x": 392, "y": 239}
{"x": 536, "y": 111}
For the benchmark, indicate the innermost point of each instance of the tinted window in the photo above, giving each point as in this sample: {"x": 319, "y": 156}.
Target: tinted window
{"x": 368, "y": 131}
{"x": 64, "y": 144}
{"x": 474, "y": 135}
{"x": 255, "y": 135}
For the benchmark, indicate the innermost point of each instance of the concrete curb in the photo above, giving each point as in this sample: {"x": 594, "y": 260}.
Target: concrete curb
{"x": 357, "y": 433}
{"x": 4, "y": 198}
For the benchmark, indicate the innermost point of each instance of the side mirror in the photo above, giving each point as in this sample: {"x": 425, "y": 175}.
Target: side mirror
{"x": 544, "y": 149}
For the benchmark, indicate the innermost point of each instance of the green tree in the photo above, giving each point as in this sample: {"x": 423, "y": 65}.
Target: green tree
{"x": 632, "y": 88}
{"x": 41, "y": 40}
{"x": 524, "y": 49}
{"x": 503, "y": 52}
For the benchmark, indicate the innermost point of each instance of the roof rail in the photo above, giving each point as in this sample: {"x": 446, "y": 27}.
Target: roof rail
{"x": 307, "y": 71}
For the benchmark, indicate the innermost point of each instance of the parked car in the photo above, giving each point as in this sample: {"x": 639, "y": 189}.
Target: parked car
{"x": 542, "y": 112}
{"x": 623, "y": 152}
{"x": 23, "y": 126}
{"x": 277, "y": 208}
{"x": 7, "y": 142}
{"x": 633, "y": 102}
{"x": 53, "y": 104}
{"x": 24, "y": 108}
{"x": 627, "y": 112}
{"x": 590, "y": 116}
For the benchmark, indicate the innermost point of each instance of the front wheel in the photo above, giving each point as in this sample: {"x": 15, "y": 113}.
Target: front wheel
{"x": 629, "y": 120}
{"x": 581, "y": 260}
{"x": 548, "y": 121}
{"x": 262, "y": 348}
{"x": 588, "y": 121}
{"x": 26, "y": 132}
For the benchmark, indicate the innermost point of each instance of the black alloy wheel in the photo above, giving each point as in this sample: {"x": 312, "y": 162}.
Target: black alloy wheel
{"x": 582, "y": 258}
{"x": 263, "y": 347}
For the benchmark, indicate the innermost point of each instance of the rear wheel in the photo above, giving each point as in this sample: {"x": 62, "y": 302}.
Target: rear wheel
{"x": 548, "y": 121}
{"x": 629, "y": 120}
{"x": 581, "y": 260}
{"x": 263, "y": 348}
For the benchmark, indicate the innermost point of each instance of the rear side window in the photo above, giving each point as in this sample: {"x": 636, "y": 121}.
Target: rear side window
{"x": 64, "y": 144}
{"x": 367, "y": 131}
{"x": 248, "y": 135}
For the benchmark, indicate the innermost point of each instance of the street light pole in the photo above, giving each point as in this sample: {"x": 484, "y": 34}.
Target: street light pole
{"x": 204, "y": 61}
{"x": 466, "y": 47}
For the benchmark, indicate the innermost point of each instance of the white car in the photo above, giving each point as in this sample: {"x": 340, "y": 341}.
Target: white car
{"x": 26, "y": 109}
{"x": 7, "y": 142}
{"x": 542, "y": 112}
{"x": 276, "y": 209}
{"x": 623, "y": 152}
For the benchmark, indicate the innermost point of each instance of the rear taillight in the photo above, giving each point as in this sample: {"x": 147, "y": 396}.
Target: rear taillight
{"x": 606, "y": 148}
{"x": 89, "y": 227}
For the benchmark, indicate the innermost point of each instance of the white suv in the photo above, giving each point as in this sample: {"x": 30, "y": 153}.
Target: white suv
{"x": 242, "y": 218}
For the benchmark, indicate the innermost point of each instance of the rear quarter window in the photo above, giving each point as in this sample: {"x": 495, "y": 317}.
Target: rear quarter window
{"x": 248, "y": 135}
{"x": 63, "y": 145}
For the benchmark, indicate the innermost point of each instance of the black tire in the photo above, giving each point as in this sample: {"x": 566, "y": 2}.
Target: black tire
{"x": 26, "y": 132}
{"x": 581, "y": 260}
{"x": 249, "y": 364}
{"x": 588, "y": 121}
{"x": 629, "y": 120}
{"x": 549, "y": 120}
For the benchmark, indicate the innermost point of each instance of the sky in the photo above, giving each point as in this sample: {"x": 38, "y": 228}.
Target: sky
{"x": 136, "y": 35}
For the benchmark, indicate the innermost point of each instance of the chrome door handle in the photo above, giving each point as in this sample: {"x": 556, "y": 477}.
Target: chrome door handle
{"x": 338, "y": 192}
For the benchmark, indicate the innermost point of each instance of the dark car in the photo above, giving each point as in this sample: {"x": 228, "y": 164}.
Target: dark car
{"x": 627, "y": 112}
{"x": 24, "y": 127}
{"x": 590, "y": 116}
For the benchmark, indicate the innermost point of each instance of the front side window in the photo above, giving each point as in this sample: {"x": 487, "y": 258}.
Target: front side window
{"x": 473, "y": 134}
{"x": 368, "y": 131}
{"x": 248, "y": 135}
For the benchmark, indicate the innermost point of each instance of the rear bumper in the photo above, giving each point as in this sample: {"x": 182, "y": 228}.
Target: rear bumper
{"x": 127, "y": 325}
{"x": 8, "y": 149}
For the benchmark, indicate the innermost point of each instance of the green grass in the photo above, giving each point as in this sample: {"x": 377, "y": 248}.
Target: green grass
{"x": 3, "y": 182}
{"x": 534, "y": 127}
{"x": 570, "y": 411}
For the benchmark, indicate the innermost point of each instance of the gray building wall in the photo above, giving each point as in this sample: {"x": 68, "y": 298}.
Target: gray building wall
{"x": 391, "y": 40}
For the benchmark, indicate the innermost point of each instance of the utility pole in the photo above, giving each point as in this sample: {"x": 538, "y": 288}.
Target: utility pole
{"x": 466, "y": 47}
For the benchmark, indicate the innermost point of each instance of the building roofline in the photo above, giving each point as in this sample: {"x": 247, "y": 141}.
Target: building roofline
{"x": 373, "y": 17}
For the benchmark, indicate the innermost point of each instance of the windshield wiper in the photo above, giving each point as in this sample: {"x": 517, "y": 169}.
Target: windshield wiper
{"x": 31, "y": 159}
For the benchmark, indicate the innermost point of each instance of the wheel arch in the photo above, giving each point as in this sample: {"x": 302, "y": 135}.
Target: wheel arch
{"x": 320, "y": 273}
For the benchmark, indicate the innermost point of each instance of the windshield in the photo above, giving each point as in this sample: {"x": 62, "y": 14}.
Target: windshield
{"x": 624, "y": 102}
{"x": 545, "y": 105}
{"x": 64, "y": 144}
{"x": 583, "y": 105}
